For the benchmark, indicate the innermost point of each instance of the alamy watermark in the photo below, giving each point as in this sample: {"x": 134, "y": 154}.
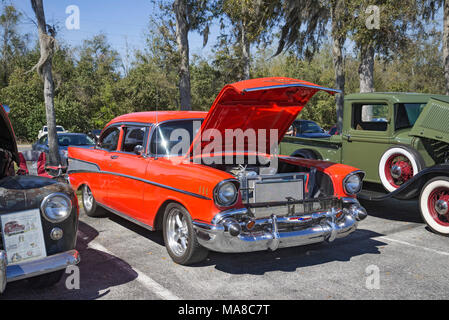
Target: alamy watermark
{"x": 373, "y": 277}
{"x": 72, "y": 282}
{"x": 212, "y": 146}
{"x": 372, "y": 21}
{"x": 72, "y": 22}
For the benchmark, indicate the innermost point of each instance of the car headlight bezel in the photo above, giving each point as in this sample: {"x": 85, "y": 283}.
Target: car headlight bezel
{"x": 220, "y": 197}
{"x": 348, "y": 182}
{"x": 47, "y": 211}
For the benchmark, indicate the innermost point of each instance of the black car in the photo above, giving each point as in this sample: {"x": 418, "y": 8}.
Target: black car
{"x": 46, "y": 213}
{"x": 309, "y": 129}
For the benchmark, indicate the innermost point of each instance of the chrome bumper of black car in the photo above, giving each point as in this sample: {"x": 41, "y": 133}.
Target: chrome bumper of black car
{"x": 36, "y": 267}
{"x": 278, "y": 232}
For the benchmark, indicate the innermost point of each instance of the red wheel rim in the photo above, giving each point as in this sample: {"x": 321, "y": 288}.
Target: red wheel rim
{"x": 402, "y": 167}
{"x": 437, "y": 197}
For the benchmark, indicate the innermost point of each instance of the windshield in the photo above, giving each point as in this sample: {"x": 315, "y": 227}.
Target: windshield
{"x": 173, "y": 138}
{"x": 309, "y": 127}
{"x": 407, "y": 114}
{"x": 73, "y": 140}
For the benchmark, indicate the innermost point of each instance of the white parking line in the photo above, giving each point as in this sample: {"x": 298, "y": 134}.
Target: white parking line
{"x": 444, "y": 253}
{"x": 145, "y": 280}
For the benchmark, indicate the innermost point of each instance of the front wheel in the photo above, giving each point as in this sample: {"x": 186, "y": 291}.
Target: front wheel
{"x": 90, "y": 205}
{"x": 180, "y": 238}
{"x": 398, "y": 165}
{"x": 434, "y": 205}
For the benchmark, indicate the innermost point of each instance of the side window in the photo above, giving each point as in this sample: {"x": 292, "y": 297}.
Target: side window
{"x": 133, "y": 136}
{"x": 371, "y": 117}
{"x": 109, "y": 140}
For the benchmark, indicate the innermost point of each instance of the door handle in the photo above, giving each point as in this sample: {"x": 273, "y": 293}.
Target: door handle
{"x": 347, "y": 137}
{"x": 114, "y": 157}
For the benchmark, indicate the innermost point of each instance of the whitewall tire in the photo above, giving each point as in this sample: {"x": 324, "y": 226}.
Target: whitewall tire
{"x": 434, "y": 205}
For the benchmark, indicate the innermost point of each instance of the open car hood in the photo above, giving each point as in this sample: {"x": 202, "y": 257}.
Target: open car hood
{"x": 260, "y": 104}
{"x": 433, "y": 121}
{"x": 7, "y": 137}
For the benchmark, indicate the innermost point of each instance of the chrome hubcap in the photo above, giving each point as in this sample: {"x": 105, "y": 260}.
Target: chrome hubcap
{"x": 441, "y": 207}
{"x": 177, "y": 232}
{"x": 396, "y": 171}
{"x": 88, "y": 199}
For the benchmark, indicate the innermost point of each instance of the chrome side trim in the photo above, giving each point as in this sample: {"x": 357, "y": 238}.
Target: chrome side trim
{"x": 126, "y": 217}
{"x": 144, "y": 181}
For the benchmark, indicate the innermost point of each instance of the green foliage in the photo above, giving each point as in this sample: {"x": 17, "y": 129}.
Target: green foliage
{"x": 90, "y": 90}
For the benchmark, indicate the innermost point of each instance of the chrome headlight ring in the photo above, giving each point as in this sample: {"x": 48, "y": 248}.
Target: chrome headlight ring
{"x": 56, "y": 207}
{"x": 352, "y": 183}
{"x": 226, "y": 193}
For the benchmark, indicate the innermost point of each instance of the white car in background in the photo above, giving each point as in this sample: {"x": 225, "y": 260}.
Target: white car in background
{"x": 44, "y": 131}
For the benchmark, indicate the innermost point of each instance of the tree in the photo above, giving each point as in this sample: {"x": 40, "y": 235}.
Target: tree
{"x": 305, "y": 28}
{"x": 189, "y": 15}
{"x": 251, "y": 21}
{"x": 12, "y": 43}
{"x": 44, "y": 69}
{"x": 446, "y": 44}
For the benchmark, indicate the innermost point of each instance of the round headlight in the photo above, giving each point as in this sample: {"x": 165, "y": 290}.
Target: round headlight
{"x": 225, "y": 194}
{"x": 352, "y": 184}
{"x": 56, "y": 207}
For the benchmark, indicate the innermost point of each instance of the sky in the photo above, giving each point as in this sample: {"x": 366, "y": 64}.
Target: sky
{"x": 122, "y": 21}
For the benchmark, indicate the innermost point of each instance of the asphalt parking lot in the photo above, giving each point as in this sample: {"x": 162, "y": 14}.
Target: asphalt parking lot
{"x": 120, "y": 260}
{"x": 123, "y": 261}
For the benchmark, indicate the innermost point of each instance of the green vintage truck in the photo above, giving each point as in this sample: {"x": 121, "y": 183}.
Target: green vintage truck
{"x": 400, "y": 140}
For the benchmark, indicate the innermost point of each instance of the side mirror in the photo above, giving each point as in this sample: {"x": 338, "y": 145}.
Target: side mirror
{"x": 139, "y": 150}
{"x": 6, "y": 108}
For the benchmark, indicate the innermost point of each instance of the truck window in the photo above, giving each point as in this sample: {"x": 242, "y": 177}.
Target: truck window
{"x": 371, "y": 117}
{"x": 406, "y": 114}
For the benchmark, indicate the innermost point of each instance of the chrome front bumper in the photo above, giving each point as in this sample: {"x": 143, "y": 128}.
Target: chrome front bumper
{"x": 35, "y": 268}
{"x": 279, "y": 232}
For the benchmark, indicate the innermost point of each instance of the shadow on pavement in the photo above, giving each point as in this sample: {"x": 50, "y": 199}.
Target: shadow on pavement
{"x": 291, "y": 259}
{"x": 393, "y": 209}
{"x": 98, "y": 272}
{"x": 155, "y": 236}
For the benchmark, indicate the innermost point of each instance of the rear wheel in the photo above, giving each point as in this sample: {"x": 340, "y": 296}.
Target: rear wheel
{"x": 90, "y": 205}
{"x": 304, "y": 153}
{"x": 180, "y": 238}
{"x": 434, "y": 205}
{"x": 398, "y": 165}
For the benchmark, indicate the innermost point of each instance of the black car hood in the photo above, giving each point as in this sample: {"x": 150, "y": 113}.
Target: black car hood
{"x": 7, "y": 137}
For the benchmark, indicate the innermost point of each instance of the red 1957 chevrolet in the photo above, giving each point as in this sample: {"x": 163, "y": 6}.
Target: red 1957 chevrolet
{"x": 213, "y": 181}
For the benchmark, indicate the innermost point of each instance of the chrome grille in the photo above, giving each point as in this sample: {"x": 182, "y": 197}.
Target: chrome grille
{"x": 272, "y": 190}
